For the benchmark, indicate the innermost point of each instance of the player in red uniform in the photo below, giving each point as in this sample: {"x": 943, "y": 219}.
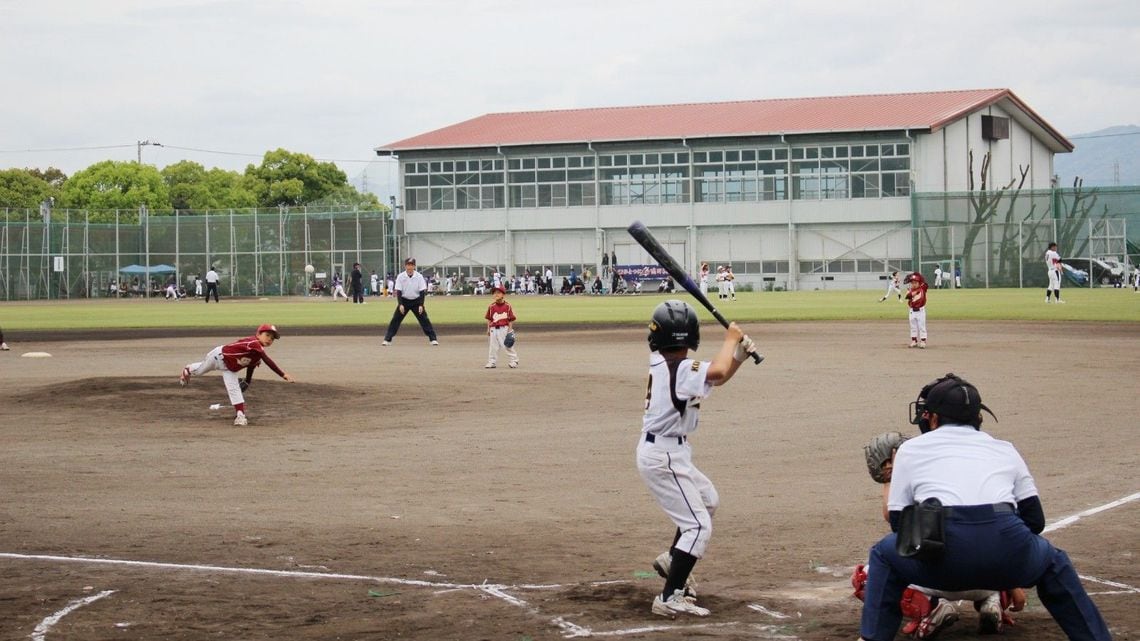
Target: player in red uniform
{"x": 500, "y": 322}
{"x": 246, "y": 353}
{"x": 916, "y": 299}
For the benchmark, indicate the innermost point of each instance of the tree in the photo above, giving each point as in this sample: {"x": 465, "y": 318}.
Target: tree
{"x": 288, "y": 178}
{"x": 192, "y": 186}
{"x": 24, "y": 189}
{"x": 112, "y": 185}
{"x": 346, "y": 196}
{"x": 51, "y": 176}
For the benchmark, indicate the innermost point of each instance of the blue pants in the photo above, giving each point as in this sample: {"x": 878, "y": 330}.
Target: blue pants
{"x": 984, "y": 550}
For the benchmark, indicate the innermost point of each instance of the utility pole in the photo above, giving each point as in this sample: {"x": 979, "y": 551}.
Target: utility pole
{"x": 139, "y": 145}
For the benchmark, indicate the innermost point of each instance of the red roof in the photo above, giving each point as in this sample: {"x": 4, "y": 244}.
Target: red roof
{"x": 877, "y": 112}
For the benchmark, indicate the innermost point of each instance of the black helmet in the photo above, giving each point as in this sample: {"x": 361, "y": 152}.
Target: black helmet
{"x": 674, "y": 324}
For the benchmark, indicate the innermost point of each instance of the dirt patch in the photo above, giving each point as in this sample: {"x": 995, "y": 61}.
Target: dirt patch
{"x": 406, "y": 492}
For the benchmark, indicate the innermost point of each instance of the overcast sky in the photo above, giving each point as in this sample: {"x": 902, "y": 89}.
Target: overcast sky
{"x": 336, "y": 78}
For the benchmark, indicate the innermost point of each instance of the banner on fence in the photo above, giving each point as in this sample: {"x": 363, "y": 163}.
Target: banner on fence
{"x": 641, "y": 272}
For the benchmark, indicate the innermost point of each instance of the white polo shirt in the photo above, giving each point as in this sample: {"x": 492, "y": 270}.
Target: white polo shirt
{"x": 410, "y": 287}
{"x": 958, "y": 465}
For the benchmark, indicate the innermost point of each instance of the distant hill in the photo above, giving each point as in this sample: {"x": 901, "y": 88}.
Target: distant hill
{"x": 1097, "y": 156}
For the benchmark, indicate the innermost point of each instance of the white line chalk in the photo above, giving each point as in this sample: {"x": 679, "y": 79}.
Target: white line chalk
{"x": 47, "y": 623}
{"x": 1069, "y": 520}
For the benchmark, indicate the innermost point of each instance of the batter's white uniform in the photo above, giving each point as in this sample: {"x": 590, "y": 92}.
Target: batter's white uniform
{"x": 664, "y": 457}
{"x": 1053, "y": 265}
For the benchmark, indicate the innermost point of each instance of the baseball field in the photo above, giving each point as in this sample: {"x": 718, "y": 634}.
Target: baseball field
{"x": 407, "y": 492}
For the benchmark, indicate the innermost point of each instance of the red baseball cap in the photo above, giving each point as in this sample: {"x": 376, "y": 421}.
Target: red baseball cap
{"x": 498, "y": 288}
{"x": 272, "y": 329}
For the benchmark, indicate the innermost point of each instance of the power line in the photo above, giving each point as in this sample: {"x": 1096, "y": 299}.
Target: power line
{"x": 23, "y": 151}
{"x": 1123, "y": 133}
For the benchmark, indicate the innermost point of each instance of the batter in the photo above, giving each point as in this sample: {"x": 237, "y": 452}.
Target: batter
{"x": 677, "y": 384}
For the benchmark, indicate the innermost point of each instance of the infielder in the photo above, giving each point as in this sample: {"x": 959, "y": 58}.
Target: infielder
{"x": 246, "y": 353}
{"x": 500, "y": 329}
{"x": 1053, "y": 269}
{"x": 410, "y": 292}
{"x": 677, "y": 385}
{"x": 893, "y": 286}
{"x": 916, "y": 300}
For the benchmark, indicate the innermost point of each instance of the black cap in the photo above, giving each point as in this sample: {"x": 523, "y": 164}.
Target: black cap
{"x": 955, "y": 400}
{"x": 410, "y": 261}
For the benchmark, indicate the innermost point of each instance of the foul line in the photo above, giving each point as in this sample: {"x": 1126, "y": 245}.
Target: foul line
{"x": 1069, "y": 520}
{"x": 47, "y": 623}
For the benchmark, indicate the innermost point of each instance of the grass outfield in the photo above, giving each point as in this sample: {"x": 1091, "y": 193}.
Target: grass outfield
{"x": 1097, "y": 305}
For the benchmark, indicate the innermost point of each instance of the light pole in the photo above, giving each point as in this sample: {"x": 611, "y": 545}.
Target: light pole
{"x": 139, "y": 145}
{"x": 395, "y": 244}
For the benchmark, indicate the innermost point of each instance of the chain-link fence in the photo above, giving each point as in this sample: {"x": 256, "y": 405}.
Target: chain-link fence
{"x": 80, "y": 254}
{"x": 998, "y": 239}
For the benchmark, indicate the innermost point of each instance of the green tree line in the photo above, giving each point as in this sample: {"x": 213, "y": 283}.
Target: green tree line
{"x": 282, "y": 178}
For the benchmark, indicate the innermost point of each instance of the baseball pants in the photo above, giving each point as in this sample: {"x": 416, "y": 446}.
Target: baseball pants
{"x": 1054, "y": 279}
{"x": 984, "y": 548}
{"x": 214, "y": 361}
{"x": 398, "y": 317}
{"x": 211, "y": 288}
{"x": 683, "y": 491}
{"x": 918, "y": 324}
{"x": 496, "y": 338}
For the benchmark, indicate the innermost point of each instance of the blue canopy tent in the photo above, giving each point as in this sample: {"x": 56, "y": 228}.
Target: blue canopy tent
{"x": 145, "y": 272}
{"x": 142, "y": 269}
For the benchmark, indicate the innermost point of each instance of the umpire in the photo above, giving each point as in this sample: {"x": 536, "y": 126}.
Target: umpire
{"x": 410, "y": 290}
{"x": 987, "y": 525}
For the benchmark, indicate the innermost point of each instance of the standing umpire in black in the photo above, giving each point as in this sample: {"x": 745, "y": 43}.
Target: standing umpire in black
{"x": 212, "y": 284}
{"x": 357, "y": 284}
{"x": 410, "y": 290}
{"x": 978, "y": 519}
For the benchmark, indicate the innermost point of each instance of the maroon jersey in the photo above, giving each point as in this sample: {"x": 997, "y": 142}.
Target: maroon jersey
{"x": 500, "y": 314}
{"x": 916, "y": 297}
{"x": 247, "y": 352}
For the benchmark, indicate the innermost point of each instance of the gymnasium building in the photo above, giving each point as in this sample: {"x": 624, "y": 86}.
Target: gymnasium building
{"x": 797, "y": 193}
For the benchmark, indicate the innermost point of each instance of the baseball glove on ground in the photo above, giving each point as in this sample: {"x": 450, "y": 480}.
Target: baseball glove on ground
{"x": 509, "y": 340}
{"x": 880, "y": 450}
{"x": 244, "y": 384}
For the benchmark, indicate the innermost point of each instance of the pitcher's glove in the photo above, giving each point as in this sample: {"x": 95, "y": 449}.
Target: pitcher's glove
{"x": 880, "y": 451}
{"x": 509, "y": 339}
{"x": 244, "y": 384}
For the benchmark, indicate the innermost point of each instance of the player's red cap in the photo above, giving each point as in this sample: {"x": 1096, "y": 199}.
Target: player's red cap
{"x": 498, "y": 288}
{"x": 272, "y": 329}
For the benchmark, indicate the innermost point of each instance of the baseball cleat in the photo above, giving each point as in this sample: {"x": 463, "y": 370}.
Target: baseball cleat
{"x": 989, "y": 615}
{"x": 677, "y": 604}
{"x": 662, "y": 564}
{"x": 240, "y": 420}
{"x": 922, "y": 345}
{"x": 913, "y": 344}
{"x": 512, "y": 365}
{"x": 385, "y": 343}
{"x": 489, "y": 366}
{"x": 184, "y": 377}
{"x": 435, "y": 342}
{"x": 941, "y": 617}
{"x": 4, "y": 347}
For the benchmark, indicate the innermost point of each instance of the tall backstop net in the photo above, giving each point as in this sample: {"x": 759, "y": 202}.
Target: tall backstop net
{"x": 79, "y": 254}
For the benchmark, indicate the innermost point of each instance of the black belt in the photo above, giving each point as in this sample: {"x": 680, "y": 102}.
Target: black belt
{"x": 978, "y": 510}
{"x": 650, "y": 437}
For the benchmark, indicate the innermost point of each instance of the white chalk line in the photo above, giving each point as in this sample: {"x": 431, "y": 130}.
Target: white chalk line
{"x": 496, "y": 590}
{"x": 763, "y": 610}
{"x": 48, "y": 622}
{"x": 1069, "y": 520}
{"x": 1124, "y": 588}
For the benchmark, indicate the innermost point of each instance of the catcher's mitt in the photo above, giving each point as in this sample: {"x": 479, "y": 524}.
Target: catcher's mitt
{"x": 244, "y": 385}
{"x": 509, "y": 340}
{"x": 879, "y": 451}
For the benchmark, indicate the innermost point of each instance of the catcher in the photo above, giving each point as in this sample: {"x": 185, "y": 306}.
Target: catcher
{"x": 500, "y": 329}
{"x": 928, "y": 611}
{"x": 246, "y": 353}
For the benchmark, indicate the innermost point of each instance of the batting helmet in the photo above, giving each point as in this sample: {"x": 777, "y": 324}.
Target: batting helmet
{"x": 674, "y": 324}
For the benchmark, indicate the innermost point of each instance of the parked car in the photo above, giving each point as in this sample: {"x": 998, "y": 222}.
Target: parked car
{"x": 1106, "y": 271}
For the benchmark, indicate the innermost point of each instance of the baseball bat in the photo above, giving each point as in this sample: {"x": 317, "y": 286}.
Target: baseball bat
{"x": 641, "y": 234}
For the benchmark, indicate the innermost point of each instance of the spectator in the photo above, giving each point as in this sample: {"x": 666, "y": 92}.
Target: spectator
{"x": 598, "y": 287}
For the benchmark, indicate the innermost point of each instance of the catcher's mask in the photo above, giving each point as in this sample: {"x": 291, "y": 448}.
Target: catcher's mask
{"x": 674, "y": 324}
{"x": 953, "y": 399}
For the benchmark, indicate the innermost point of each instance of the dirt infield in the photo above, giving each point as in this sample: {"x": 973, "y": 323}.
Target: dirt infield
{"x": 406, "y": 492}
